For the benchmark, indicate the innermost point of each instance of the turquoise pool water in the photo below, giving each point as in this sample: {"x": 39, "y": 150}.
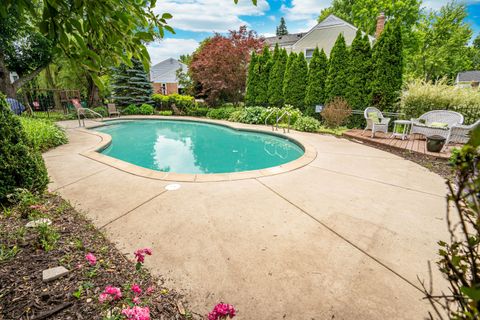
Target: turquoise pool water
{"x": 195, "y": 147}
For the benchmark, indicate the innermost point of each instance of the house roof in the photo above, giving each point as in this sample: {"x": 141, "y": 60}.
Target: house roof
{"x": 166, "y": 71}
{"x": 468, "y": 76}
{"x": 292, "y": 39}
{"x": 285, "y": 40}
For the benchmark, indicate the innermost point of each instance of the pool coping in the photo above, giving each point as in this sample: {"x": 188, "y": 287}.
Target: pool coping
{"x": 93, "y": 153}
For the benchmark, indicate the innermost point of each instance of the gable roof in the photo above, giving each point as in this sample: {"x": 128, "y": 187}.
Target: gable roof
{"x": 284, "y": 40}
{"x": 166, "y": 71}
{"x": 468, "y": 76}
{"x": 329, "y": 22}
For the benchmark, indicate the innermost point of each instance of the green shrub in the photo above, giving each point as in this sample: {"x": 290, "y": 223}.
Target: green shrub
{"x": 130, "y": 110}
{"x": 54, "y": 115}
{"x": 421, "y": 97}
{"x": 165, "y": 113}
{"x": 161, "y": 100}
{"x": 222, "y": 113}
{"x": 252, "y": 115}
{"x": 307, "y": 124}
{"x": 20, "y": 165}
{"x": 278, "y": 112}
{"x": 146, "y": 109}
{"x": 182, "y": 101}
{"x": 102, "y": 110}
{"x": 197, "y": 111}
{"x": 236, "y": 115}
{"x": 42, "y": 134}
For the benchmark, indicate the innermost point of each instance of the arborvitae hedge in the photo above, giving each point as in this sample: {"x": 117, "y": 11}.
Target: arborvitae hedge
{"x": 252, "y": 81}
{"x": 20, "y": 165}
{"x": 131, "y": 85}
{"x": 264, "y": 65}
{"x": 359, "y": 73}
{"x": 387, "y": 68}
{"x": 275, "y": 83}
{"x": 337, "y": 78}
{"x": 295, "y": 82}
{"x": 317, "y": 73}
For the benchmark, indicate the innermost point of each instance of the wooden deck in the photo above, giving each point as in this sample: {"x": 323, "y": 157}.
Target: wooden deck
{"x": 416, "y": 144}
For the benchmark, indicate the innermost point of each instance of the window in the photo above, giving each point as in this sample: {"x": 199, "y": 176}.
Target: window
{"x": 309, "y": 54}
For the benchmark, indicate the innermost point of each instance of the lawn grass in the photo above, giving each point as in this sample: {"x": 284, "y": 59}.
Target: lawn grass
{"x": 43, "y": 134}
{"x": 335, "y": 131}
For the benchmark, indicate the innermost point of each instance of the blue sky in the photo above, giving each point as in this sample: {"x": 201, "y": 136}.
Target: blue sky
{"x": 194, "y": 20}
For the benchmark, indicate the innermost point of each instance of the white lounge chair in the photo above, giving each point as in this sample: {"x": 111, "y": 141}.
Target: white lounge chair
{"x": 376, "y": 123}
{"x": 112, "y": 110}
{"x": 429, "y": 124}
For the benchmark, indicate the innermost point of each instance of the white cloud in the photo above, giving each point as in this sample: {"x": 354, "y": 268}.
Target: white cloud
{"x": 210, "y": 15}
{"x": 170, "y": 48}
{"x": 304, "y": 9}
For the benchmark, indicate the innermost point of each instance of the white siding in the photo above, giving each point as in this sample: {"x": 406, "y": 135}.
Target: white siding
{"x": 166, "y": 71}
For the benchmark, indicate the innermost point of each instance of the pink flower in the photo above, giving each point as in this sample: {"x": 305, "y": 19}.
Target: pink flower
{"x": 136, "y": 300}
{"x": 136, "y": 289}
{"x": 221, "y": 311}
{"x": 150, "y": 290}
{"x": 140, "y": 254}
{"x": 91, "y": 259}
{"x": 137, "y": 313}
{"x": 110, "y": 293}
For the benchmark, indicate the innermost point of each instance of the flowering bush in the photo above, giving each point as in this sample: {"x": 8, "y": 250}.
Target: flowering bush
{"x": 110, "y": 294}
{"x": 140, "y": 256}
{"x": 137, "y": 313}
{"x": 92, "y": 260}
{"x": 221, "y": 311}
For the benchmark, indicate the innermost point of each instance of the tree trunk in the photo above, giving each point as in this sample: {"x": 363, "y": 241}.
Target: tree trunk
{"x": 93, "y": 93}
{"x": 5, "y": 85}
{"x": 52, "y": 85}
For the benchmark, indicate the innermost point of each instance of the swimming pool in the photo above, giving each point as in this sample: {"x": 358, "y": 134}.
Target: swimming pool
{"x": 196, "y": 147}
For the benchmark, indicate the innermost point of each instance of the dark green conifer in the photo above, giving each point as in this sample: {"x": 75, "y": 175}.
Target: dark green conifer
{"x": 131, "y": 85}
{"x": 295, "y": 82}
{"x": 359, "y": 73}
{"x": 252, "y": 80}
{"x": 337, "y": 78}
{"x": 275, "y": 83}
{"x": 317, "y": 73}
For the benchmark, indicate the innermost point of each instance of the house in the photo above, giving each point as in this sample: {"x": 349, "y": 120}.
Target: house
{"x": 323, "y": 36}
{"x": 468, "y": 79}
{"x": 163, "y": 76}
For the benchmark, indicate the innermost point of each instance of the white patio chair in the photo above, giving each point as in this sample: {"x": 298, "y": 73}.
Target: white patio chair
{"x": 461, "y": 133}
{"x": 376, "y": 126}
{"x": 423, "y": 124}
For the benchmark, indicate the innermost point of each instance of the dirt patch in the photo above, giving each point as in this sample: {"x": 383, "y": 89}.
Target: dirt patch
{"x": 23, "y": 294}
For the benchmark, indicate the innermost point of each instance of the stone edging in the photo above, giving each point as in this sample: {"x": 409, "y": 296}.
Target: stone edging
{"x": 309, "y": 155}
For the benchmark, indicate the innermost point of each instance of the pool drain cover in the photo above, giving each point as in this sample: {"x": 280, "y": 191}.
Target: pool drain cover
{"x": 172, "y": 187}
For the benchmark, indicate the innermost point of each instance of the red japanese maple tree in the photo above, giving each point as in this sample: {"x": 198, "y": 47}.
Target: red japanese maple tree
{"x": 220, "y": 65}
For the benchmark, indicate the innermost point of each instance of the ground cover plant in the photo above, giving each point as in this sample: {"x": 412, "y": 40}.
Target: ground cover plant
{"x": 42, "y": 134}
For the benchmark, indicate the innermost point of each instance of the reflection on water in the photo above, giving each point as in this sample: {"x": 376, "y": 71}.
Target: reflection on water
{"x": 193, "y": 147}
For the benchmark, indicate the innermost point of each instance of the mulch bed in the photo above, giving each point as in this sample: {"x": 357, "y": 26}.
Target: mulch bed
{"x": 23, "y": 294}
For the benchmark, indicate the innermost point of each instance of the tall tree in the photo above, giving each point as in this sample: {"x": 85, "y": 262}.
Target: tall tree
{"x": 131, "y": 85}
{"x": 359, "y": 72}
{"x": 275, "y": 83}
{"x": 264, "y": 65}
{"x": 220, "y": 66}
{"x": 443, "y": 38}
{"x": 387, "y": 73}
{"x": 282, "y": 28}
{"x": 84, "y": 31}
{"x": 295, "y": 82}
{"x": 252, "y": 81}
{"x": 337, "y": 78}
{"x": 363, "y": 13}
{"x": 317, "y": 73}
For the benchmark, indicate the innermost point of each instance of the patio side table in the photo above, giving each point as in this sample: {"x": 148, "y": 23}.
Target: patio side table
{"x": 406, "y": 128}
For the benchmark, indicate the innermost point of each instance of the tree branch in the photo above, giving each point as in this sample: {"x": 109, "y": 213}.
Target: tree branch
{"x": 22, "y": 80}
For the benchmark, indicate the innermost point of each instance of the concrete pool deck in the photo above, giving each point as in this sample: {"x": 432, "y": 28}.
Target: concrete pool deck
{"x": 346, "y": 235}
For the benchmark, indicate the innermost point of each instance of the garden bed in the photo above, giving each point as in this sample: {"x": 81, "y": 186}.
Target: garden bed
{"x": 25, "y": 252}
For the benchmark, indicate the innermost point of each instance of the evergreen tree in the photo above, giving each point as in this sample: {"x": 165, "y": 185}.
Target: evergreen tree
{"x": 317, "y": 73}
{"x": 275, "y": 83}
{"x": 282, "y": 28}
{"x": 387, "y": 68}
{"x": 264, "y": 65}
{"x": 296, "y": 82}
{"x": 131, "y": 85}
{"x": 359, "y": 73}
{"x": 286, "y": 78}
{"x": 337, "y": 78}
{"x": 252, "y": 81}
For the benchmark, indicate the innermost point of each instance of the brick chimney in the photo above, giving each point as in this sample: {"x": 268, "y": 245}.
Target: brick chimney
{"x": 380, "y": 24}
